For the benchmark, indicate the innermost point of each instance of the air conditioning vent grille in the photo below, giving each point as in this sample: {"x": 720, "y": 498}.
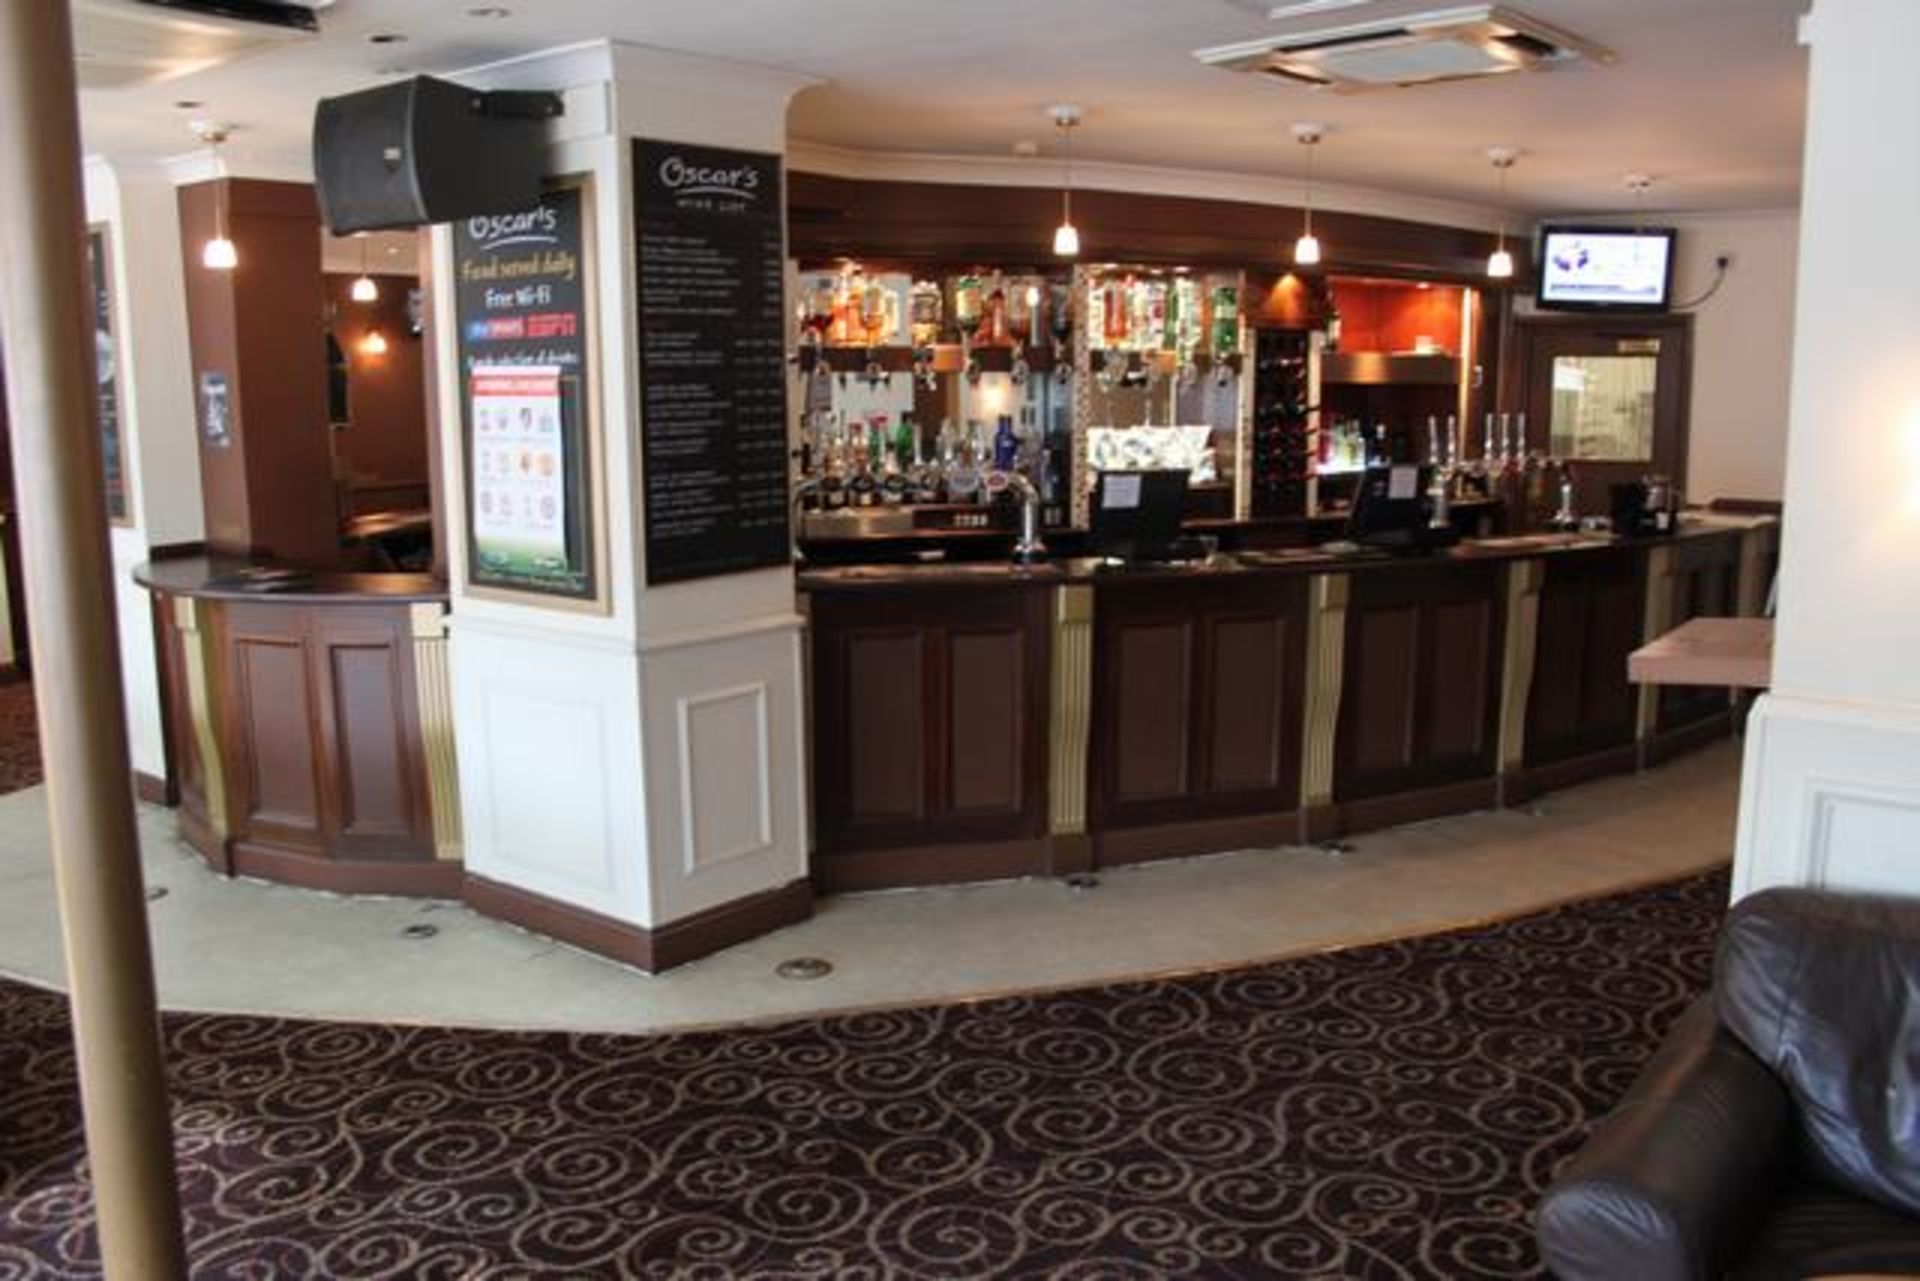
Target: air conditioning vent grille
{"x": 1444, "y": 44}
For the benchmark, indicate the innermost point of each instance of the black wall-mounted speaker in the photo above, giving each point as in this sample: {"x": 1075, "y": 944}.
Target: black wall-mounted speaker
{"x": 424, "y": 150}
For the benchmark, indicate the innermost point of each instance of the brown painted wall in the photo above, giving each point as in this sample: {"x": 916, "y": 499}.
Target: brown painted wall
{"x": 385, "y": 440}
{"x": 269, "y": 491}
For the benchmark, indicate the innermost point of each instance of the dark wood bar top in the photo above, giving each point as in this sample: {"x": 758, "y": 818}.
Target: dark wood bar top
{"x": 238, "y": 578}
{"x": 1310, "y": 560}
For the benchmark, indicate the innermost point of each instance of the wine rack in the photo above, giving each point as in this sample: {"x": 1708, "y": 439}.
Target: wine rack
{"x": 1280, "y": 420}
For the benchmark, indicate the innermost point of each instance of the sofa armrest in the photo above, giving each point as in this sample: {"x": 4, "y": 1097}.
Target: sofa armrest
{"x": 1673, "y": 1183}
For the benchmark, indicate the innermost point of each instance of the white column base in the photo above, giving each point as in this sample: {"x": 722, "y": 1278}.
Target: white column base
{"x": 1829, "y": 798}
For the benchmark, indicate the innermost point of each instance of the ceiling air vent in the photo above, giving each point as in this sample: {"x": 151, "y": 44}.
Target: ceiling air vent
{"x": 1422, "y": 48}
{"x": 130, "y": 42}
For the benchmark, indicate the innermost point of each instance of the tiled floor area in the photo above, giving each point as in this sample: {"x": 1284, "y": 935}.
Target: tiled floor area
{"x": 240, "y": 946}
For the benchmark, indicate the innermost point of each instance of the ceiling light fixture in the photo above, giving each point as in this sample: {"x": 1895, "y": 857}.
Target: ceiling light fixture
{"x": 1500, "y": 262}
{"x": 364, "y": 289}
{"x": 1306, "y": 250}
{"x": 1066, "y": 237}
{"x": 374, "y": 344}
{"x": 218, "y": 253}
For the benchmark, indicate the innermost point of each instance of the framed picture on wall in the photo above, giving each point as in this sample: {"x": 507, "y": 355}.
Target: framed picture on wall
{"x": 106, "y": 376}
{"x": 523, "y": 306}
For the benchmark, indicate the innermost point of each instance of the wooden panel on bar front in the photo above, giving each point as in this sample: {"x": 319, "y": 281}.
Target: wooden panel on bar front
{"x": 1581, "y": 701}
{"x": 370, "y": 730}
{"x": 1199, "y": 690}
{"x": 1421, "y": 702}
{"x": 929, "y": 726}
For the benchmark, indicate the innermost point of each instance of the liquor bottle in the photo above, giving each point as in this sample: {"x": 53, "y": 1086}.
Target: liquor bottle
{"x": 925, "y": 309}
{"x": 1006, "y": 445}
{"x": 1333, "y": 327}
{"x": 1226, "y": 320}
{"x": 1171, "y": 316}
{"x": 993, "y": 319}
{"x": 966, "y": 305}
{"x": 893, "y": 479}
{"x": 860, "y": 487}
{"x": 833, "y": 474}
{"x": 963, "y": 474}
{"x": 1115, "y": 312}
{"x": 906, "y": 444}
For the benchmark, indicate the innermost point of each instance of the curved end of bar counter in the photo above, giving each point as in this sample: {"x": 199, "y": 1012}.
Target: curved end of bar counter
{"x": 308, "y": 724}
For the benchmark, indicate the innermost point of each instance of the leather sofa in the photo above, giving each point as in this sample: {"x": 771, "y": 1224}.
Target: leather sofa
{"x": 1776, "y": 1131}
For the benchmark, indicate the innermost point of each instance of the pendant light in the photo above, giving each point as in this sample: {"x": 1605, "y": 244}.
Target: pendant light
{"x": 1066, "y": 237}
{"x": 1306, "y": 250}
{"x": 364, "y": 289}
{"x": 1500, "y": 262}
{"x": 218, "y": 254}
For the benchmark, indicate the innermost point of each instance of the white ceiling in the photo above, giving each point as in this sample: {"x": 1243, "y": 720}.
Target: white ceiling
{"x": 1707, "y": 95}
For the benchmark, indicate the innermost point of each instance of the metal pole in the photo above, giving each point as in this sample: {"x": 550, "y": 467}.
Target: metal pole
{"x": 48, "y": 334}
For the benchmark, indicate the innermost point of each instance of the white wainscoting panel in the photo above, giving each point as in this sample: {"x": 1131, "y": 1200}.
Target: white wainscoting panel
{"x": 726, "y": 802}
{"x": 1829, "y": 797}
{"x": 551, "y": 788}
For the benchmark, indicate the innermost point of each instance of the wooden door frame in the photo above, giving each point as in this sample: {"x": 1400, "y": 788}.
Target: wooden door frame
{"x": 1516, "y": 371}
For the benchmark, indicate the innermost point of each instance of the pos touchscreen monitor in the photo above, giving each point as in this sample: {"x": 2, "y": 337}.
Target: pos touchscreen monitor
{"x": 1136, "y": 514}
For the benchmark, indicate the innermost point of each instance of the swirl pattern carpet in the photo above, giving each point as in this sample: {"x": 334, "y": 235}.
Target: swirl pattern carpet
{"x": 1390, "y": 1111}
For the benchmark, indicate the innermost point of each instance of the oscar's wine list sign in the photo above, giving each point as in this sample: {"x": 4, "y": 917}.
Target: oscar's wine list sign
{"x": 520, "y": 296}
{"x": 712, "y": 359}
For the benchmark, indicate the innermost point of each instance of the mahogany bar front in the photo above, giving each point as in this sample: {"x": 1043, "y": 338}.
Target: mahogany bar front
{"x": 981, "y": 720}
{"x": 308, "y": 724}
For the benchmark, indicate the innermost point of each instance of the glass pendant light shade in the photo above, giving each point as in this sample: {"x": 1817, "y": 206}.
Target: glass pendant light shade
{"x": 1500, "y": 262}
{"x": 219, "y": 254}
{"x": 365, "y": 290}
{"x": 374, "y": 344}
{"x": 1306, "y": 250}
{"x": 1066, "y": 237}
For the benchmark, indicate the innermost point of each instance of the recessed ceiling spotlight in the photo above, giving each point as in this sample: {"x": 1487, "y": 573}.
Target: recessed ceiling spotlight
{"x": 1026, "y": 148}
{"x": 489, "y": 11}
{"x": 188, "y": 104}
{"x": 387, "y": 37}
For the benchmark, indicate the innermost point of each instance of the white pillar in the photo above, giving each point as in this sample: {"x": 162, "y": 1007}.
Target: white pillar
{"x": 137, "y": 205}
{"x": 1831, "y": 792}
{"x": 625, "y": 772}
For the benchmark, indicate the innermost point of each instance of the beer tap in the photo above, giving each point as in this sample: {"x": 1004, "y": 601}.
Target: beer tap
{"x": 1564, "y": 516}
{"x": 1440, "y": 480}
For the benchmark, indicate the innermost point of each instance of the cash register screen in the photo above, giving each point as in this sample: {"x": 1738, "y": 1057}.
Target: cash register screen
{"x": 1136, "y": 514}
{"x": 1387, "y": 502}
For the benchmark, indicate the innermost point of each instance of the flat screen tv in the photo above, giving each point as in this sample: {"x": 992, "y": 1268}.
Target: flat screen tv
{"x": 1605, "y": 269}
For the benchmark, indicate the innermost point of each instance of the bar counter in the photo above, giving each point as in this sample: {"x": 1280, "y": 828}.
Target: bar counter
{"x": 973, "y": 721}
{"x": 308, "y": 724}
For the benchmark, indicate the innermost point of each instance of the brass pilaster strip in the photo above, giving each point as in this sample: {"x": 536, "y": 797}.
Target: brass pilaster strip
{"x": 1516, "y": 669}
{"x": 1656, "y": 620}
{"x": 1326, "y": 666}
{"x": 196, "y": 645}
{"x": 1072, "y": 709}
{"x": 1754, "y": 546}
{"x": 433, "y": 690}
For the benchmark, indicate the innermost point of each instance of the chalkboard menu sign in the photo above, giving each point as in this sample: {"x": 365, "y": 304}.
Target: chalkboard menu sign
{"x": 106, "y": 373}
{"x": 712, "y": 359}
{"x": 521, "y": 300}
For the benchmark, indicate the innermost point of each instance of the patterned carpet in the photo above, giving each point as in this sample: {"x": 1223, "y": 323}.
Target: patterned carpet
{"x": 19, "y": 737}
{"x": 1390, "y": 1111}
